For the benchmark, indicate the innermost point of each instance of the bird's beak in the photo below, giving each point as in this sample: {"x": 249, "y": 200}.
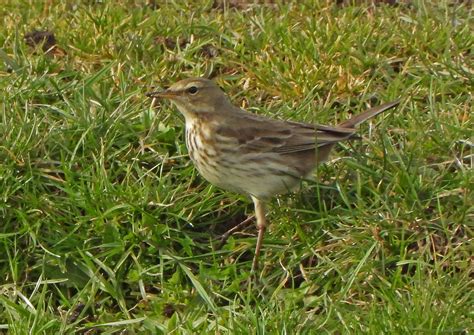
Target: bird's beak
{"x": 166, "y": 94}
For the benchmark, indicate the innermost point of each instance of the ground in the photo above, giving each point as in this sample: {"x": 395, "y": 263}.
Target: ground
{"x": 106, "y": 227}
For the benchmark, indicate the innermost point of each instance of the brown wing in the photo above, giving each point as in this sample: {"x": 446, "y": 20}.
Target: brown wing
{"x": 308, "y": 137}
{"x": 257, "y": 133}
{"x": 254, "y": 133}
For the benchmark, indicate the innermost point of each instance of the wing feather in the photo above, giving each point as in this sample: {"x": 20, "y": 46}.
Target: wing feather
{"x": 254, "y": 133}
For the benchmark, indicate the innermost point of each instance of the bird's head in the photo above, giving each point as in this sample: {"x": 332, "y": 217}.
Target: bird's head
{"x": 194, "y": 96}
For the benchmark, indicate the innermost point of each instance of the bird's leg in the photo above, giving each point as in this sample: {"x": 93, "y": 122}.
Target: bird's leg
{"x": 240, "y": 226}
{"x": 261, "y": 226}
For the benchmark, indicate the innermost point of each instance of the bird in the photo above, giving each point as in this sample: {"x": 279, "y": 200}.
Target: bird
{"x": 251, "y": 154}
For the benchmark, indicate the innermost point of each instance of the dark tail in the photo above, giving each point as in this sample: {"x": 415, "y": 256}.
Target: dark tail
{"x": 359, "y": 118}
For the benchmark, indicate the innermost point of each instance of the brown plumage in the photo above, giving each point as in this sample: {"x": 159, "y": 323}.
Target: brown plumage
{"x": 248, "y": 153}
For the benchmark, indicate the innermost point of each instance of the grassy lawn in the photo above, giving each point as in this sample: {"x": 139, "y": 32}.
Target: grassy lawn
{"x": 106, "y": 227}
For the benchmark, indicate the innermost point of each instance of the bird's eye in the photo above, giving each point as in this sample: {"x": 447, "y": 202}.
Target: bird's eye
{"x": 192, "y": 90}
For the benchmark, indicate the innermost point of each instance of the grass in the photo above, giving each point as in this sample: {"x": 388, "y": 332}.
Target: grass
{"x": 107, "y": 228}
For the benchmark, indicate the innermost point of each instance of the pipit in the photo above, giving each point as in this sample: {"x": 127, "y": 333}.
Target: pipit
{"x": 252, "y": 154}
